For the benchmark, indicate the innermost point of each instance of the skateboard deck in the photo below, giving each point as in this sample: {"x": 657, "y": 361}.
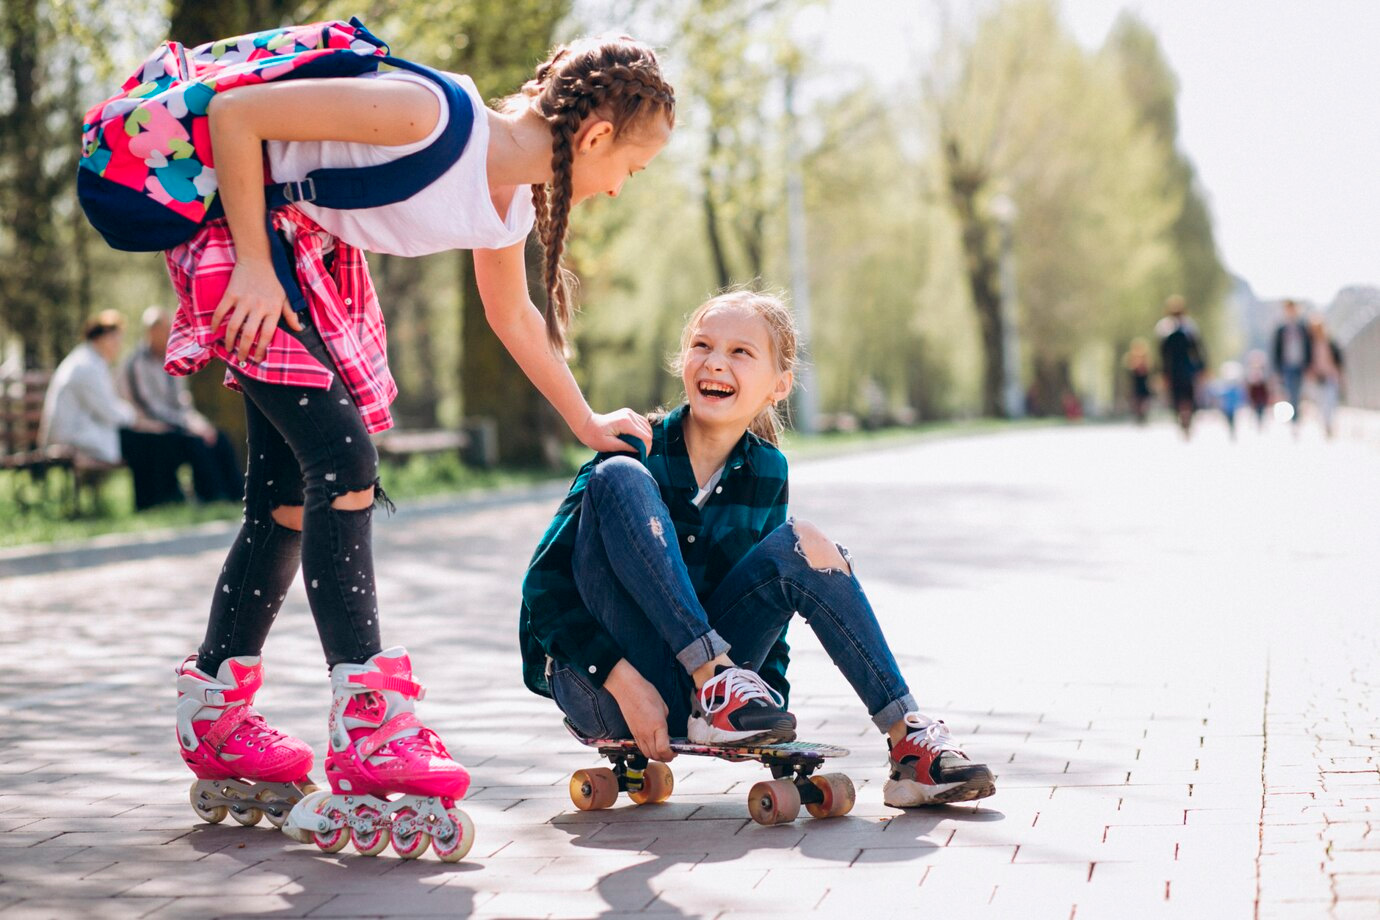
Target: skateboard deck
{"x": 776, "y": 801}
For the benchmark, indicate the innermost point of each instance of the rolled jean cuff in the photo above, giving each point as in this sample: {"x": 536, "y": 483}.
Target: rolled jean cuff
{"x": 703, "y": 650}
{"x": 894, "y": 711}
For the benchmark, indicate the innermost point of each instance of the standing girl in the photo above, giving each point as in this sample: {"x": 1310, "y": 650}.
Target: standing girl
{"x": 317, "y": 386}
{"x": 657, "y": 602}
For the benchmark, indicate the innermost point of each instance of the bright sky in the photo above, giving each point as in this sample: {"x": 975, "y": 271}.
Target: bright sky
{"x": 1276, "y": 109}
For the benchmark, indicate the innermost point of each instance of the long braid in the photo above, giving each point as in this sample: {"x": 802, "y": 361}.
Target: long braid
{"x": 618, "y": 79}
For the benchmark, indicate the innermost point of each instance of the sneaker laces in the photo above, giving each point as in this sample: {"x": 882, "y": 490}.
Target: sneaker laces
{"x": 740, "y": 682}
{"x": 933, "y": 734}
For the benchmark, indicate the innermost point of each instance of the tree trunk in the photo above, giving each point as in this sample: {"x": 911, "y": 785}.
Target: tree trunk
{"x": 194, "y": 22}
{"x": 711, "y": 230}
{"x": 983, "y": 271}
{"x": 33, "y": 279}
{"x": 493, "y": 386}
{"x": 401, "y": 292}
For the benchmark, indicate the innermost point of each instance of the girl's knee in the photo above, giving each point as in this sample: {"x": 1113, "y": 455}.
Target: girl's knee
{"x": 289, "y": 516}
{"x": 819, "y": 552}
{"x": 353, "y": 501}
{"x": 621, "y": 473}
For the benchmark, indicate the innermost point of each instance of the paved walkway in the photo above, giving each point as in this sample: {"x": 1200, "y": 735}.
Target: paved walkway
{"x": 1168, "y": 653}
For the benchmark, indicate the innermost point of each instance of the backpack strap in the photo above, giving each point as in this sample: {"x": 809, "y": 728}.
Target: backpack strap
{"x": 388, "y": 183}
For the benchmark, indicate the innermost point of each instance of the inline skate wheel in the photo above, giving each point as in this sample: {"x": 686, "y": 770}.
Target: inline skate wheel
{"x": 374, "y": 841}
{"x": 245, "y": 816}
{"x": 409, "y": 846}
{"x": 457, "y": 846}
{"x": 201, "y": 804}
{"x": 332, "y": 841}
{"x": 274, "y": 809}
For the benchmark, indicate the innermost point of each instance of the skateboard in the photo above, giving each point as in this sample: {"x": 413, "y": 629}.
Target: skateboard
{"x": 775, "y": 801}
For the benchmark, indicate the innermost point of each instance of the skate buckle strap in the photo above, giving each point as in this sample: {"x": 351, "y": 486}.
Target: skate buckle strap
{"x": 376, "y": 681}
{"x": 387, "y": 732}
{"x": 250, "y": 682}
{"x": 222, "y": 728}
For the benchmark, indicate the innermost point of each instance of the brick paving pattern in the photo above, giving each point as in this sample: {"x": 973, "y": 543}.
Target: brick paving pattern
{"x": 1167, "y": 652}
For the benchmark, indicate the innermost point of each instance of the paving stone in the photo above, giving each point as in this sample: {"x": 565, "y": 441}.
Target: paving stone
{"x": 1132, "y": 753}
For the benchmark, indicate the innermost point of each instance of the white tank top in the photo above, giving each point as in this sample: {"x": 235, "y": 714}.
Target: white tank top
{"x": 454, "y": 212}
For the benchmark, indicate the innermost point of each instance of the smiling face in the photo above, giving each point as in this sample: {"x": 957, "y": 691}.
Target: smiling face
{"x": 603, "y": 161}
{"x": 730, "y": 368}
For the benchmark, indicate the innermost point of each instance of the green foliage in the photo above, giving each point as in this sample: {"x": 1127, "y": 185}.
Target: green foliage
{"x": 1108, "y": 219}
{"x": 899, "y": 183}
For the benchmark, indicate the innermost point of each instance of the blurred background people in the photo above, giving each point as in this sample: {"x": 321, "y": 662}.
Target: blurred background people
{"x": 82, "y": 410}
{"x": 170, "y": 432}
{"x": 1182, "y": 360}
{"x": 1228, "y": 392}
{"x": 1137, "y": 364}
{"x": 1258, "y": 385}
{"x": 1324, "y": 371}
{"x": 1293, "y": 354}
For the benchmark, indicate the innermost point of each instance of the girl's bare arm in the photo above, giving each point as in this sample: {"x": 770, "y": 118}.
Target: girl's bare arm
{"x": 502, "y": 278}
{"x": 382, "y": 112}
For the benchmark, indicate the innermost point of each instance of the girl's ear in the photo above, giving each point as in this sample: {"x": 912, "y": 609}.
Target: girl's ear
{"x": 784, "y": 383}
{"x": 594, "y": 132}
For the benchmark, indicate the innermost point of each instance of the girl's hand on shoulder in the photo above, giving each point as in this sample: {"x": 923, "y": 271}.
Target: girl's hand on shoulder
{"x": 643, "y": 709}
{"x": 600, "y": 432}
{"x": 251, "y": 306}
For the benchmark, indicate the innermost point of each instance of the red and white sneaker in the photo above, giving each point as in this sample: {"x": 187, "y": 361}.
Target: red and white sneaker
{"x": 926, "y": 767}
{"x": 736, "y": 706}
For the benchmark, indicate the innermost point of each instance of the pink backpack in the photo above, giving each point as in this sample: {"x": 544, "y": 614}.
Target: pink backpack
{"x": 147, "y": 178}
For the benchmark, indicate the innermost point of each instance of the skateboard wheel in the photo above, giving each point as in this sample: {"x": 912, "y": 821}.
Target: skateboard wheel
{"x": 838, "y": 793}
{"x": 457, "y": 846}
{"x": 657, "y": 783}
{"x": 774, "y": 801}
{"x": 593, "y": 789}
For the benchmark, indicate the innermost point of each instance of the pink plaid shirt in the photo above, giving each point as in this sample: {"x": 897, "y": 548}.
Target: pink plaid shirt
{"x": 343, "y": 307}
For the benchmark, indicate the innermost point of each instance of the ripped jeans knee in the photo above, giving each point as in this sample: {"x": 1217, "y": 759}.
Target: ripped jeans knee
{"x": 819, "y": 552}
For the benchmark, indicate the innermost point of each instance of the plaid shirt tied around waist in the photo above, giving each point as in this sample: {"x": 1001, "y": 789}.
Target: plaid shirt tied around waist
{"x": 341, "y": 301}
{"x": 748, "y": 504}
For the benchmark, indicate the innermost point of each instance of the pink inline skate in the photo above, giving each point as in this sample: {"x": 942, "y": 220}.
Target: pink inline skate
{"x": 379, "y": 749}
{"x": 242, "y": 766}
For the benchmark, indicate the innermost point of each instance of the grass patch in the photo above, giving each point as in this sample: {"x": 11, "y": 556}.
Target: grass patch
{"x": 42, "y": 511}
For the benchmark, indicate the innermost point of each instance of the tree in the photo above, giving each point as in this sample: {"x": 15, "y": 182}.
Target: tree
{"x": 1195, "y": 269}
{"x": 1025, "y": 111}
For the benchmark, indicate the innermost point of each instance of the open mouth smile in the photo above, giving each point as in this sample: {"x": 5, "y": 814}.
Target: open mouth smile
{"x": 713, "y": 389}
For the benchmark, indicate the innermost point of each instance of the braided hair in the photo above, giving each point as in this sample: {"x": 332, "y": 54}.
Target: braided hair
{"x": 617, "y": 79}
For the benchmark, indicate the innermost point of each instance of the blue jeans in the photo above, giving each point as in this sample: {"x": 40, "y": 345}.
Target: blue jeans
{"x": 1292, "y": 378}
{"x": 630, "y": 574}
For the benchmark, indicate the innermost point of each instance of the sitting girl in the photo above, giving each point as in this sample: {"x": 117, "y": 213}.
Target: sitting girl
{"x": 654, "y": 573}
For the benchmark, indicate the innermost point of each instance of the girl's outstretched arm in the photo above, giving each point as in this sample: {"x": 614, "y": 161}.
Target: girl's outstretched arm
{"x": 502, "y": 278}
{"x": 382, "y": 112}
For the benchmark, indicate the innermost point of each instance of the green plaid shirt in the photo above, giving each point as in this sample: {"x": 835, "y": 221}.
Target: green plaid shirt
{"x": 748, "y": 503}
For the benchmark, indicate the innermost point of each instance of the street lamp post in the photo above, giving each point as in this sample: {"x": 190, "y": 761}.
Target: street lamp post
{"x": 1013, "y": 394}
{"x": 805, "y": 399}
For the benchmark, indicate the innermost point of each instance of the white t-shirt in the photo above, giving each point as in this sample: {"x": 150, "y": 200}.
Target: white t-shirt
{"x": 707, "y": 489}
{"x": 454, "y": 212}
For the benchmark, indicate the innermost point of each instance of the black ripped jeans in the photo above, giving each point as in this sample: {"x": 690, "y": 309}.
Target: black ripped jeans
{"x": 306, "y": 448}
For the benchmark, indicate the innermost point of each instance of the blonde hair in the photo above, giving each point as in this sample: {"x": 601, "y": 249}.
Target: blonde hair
{"x": 768, "y": 424}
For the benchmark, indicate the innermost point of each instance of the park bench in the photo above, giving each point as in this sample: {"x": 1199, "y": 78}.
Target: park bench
{"x": 21, "y": 410}
{"x": 475, "y": 442}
